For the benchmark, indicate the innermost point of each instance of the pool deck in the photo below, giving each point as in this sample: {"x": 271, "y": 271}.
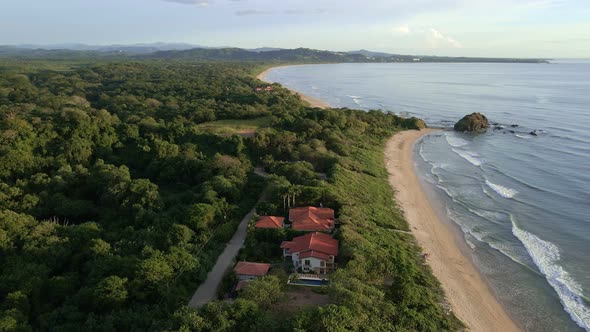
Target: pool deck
{"x": 307, "y": 277}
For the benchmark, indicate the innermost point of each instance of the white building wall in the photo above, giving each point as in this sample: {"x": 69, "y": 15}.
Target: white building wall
{"x": 314, "y": 263}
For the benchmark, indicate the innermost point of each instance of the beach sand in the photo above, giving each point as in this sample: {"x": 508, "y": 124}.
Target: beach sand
{"x": 313, "y": 102}
{"x": 470, "y": 297}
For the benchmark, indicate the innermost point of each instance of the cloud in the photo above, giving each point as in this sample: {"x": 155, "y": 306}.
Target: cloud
{"x": 437, "y": 39}
{"x": 200, "y": 3}
{"x": 401, "y": 30}
{"x": 249, "y": 12}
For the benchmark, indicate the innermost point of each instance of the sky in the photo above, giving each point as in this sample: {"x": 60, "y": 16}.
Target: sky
{"x": 510, "y": 28}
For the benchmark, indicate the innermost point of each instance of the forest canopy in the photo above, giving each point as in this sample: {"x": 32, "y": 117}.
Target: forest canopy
{"x": 115, "y": 200}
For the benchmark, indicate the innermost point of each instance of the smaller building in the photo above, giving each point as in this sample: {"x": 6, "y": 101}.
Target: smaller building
{"x": 268, "y": 88}
{"x": 273, "y": 222}
{"x": 312, "y": 219}
{"x": 251, "y": 271}
{"x": 313, "y": 252}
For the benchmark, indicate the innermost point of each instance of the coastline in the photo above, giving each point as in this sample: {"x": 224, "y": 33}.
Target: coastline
{"x": 470, "y": 297}
{"x": 313, "y": 102}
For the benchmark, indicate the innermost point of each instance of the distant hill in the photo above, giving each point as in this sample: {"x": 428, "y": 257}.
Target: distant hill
{"x": 265, "y": 49}
{"x": 371, "y": 54}
{"x": 306, "y": 55}
{"x": 132, "y": 48}
{"x": 238, "y": 54}
{"x": 187, "y": 52}
{"x": 54, "y": 54}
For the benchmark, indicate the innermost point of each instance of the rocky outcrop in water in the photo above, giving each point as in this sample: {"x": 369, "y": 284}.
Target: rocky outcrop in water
{"x": 472, "y": 122}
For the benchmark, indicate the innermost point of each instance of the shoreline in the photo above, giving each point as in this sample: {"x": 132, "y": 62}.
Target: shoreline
{"x": 470, "y": 296}
{"x": 313, "y": 102}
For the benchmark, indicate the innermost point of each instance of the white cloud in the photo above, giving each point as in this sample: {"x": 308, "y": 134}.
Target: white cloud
{"x": 402, "y": 30}
{"x": 437, "y": 39}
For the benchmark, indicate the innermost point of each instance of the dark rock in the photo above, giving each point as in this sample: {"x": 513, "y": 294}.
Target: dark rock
{"x": 472, "y": 122}
{"x": 534, "y": 133}
{"x": 512, "y": 132}
{"x": 514, "y": 125}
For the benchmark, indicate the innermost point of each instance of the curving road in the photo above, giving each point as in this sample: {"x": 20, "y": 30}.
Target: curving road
{"x": 207, "y": 291}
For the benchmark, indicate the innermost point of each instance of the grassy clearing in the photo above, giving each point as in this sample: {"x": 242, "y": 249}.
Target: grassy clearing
{"x": 235, "y": 127}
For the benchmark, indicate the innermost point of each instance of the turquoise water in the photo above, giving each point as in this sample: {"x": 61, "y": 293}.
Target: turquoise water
{"x": 521, "y": 201}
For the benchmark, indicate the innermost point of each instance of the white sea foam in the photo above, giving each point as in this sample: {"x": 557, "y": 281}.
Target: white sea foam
{"x": 455, "y": 141}
{"x": 546, "y": 256}
{"x": 357, "y": 99}
{"x": 495, "y": 217}
{"x": 501, "y": 190}
{"x": 445, "y": 190}
{"x": 483, "y": 235}
{"x": 524, "y": 136}
{"x": 471, "y": 157}
{"x": 436, "y": 166}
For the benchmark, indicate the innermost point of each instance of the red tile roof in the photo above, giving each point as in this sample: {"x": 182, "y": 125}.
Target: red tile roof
{"x": 317, "y": 242}
{"x": 311, "y": 218}
{"x": 251, "y": 269}
{"x": 270, "y": 222}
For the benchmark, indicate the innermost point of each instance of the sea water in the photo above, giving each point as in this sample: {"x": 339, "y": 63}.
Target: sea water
{"x": 521, "y": 201}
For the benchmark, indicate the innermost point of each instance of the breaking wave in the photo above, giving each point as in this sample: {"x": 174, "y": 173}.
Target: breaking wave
{"x": 501, "y": 190}
{"x": 472, "y": 157}
{"x": 356, "y": 99}
{"x": 546, "y": 256}
{"x": 455, "y": 141}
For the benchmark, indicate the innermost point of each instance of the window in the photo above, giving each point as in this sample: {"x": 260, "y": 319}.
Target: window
{"x": 306, "y": 262}
{"x": 322, "y": 263}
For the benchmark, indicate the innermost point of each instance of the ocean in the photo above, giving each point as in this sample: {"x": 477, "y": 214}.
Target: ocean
{"x": 521, "y": 201}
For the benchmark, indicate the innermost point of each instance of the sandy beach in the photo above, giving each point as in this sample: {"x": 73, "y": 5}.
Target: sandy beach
{"x": 469, "y": 295}
{"x": 313, "y": 102}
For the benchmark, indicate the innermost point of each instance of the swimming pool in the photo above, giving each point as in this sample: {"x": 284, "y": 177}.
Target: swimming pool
{"x": 308, "y": 282}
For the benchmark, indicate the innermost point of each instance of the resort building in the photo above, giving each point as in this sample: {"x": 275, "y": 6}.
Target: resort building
{"x": 313, "y": 252}
{"x": 312, "y": 219}
{"x": 270, "y": 222}
{"x": 251, "y": 271}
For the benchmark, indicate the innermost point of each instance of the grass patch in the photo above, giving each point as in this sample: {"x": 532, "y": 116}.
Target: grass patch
{"x": 235, "y": 127}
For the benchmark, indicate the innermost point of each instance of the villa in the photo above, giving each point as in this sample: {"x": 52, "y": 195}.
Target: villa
{"x": 251, "y": 271}
{"x": 312, "y": 219}
{"x": 272, "y": 222}
{"x": 313, "y": 252}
